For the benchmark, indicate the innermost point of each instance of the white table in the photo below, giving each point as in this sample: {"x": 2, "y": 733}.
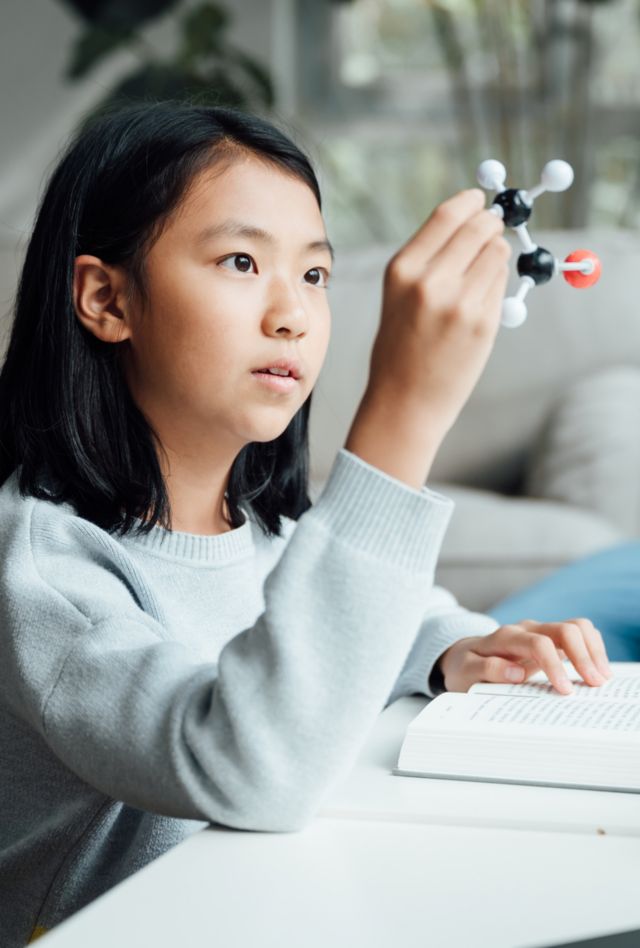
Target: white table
{"x": 371, "y": 791}
{"x": 385, "y": 863}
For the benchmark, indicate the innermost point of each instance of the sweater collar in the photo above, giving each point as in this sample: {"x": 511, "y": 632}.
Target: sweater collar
{"x": 218, "y": 548}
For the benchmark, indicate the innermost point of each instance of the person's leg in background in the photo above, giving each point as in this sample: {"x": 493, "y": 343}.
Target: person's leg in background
{"x": 603, "y": 587}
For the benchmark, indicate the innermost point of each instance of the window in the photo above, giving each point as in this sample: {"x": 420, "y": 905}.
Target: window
{"x": 401, "y": 99}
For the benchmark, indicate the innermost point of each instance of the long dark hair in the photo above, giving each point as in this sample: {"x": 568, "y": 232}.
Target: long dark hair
{"x": 67, "y": 418}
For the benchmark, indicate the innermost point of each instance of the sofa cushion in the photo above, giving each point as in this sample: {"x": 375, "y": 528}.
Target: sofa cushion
{"x": 496, "y": 545}
{"x": 588, "y": 452}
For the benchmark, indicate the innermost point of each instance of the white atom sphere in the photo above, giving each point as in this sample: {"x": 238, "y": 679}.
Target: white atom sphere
{"x": 514, "y": 312}
{"x": 491, "y": 174}
{"x": 557, "y": 175}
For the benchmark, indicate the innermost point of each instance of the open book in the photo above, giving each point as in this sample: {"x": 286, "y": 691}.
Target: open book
{"x": 531, "y": 734}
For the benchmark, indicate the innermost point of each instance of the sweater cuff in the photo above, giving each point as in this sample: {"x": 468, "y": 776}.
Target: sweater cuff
{"x": 420, "y": 675}
{"x": 380, "y": 514}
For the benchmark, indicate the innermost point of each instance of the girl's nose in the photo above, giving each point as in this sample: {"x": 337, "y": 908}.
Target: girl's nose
{"x": 285, "y": 314}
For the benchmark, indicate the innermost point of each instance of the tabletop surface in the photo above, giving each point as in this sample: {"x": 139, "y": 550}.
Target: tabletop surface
{"x": 369, "y": 883}
{"x": 386, "y": 861}
{"x": 372, "y": 791}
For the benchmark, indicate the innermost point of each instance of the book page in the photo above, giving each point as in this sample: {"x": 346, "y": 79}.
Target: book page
{"x": 625, "y": 669}
{"x": 620, "y": 688}
{"x": 565, "y": 713}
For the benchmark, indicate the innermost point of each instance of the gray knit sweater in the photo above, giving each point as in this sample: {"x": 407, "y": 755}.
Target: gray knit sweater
{"x": 152, "y": 684}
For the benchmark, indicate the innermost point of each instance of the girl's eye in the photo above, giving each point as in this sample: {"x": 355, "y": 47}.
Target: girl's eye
{"x": 318, "y": 276}
{"x": 241, "y": 262}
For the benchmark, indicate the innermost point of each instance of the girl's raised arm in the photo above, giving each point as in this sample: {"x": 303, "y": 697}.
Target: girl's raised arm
{"x": 440, "y": 316}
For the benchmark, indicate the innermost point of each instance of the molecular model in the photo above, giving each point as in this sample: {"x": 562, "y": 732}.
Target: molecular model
{"x": 535, "y": 265}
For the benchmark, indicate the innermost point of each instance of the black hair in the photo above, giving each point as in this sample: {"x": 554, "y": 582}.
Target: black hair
{"x": 68, "y": 421}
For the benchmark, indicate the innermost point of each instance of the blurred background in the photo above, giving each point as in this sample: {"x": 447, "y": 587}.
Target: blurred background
{"x": 397, "y": 100}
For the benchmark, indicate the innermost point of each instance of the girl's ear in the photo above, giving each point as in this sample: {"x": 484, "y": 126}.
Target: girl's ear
{"x": 99, "y": 298}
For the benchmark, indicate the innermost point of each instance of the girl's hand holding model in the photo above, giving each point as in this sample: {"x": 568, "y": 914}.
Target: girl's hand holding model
{"x": 441, "y": 312}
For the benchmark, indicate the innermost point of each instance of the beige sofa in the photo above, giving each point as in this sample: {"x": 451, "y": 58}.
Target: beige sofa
{"x": 544, "y": 460}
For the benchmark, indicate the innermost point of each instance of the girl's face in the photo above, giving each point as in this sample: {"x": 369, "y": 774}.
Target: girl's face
{"x": 236, "y": 283}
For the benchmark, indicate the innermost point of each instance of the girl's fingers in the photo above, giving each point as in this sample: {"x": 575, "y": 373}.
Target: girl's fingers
{"x": 582, "y": 644}
{"x": 577, "y": 639}
{"x": 494, "y": 669}
{"x": 486, "y": 279}
{"x": 483, "y": 286}
{"x": 443, "y": 223}
{"x": 569, "y": 637}
{"x": 466, "y": 245}
{"x": 595, "y": 644}
{"x": 514, "y": 641}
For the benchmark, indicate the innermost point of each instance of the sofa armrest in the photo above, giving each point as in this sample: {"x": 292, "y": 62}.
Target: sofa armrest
{"x": 496, "y": 545}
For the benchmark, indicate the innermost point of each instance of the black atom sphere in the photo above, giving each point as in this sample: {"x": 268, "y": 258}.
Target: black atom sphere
{"x": 539, "y": 265}
{"x": 515, "y": 211}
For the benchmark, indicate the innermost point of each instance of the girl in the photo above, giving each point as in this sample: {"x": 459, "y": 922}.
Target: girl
{"x": 184, "y": 639}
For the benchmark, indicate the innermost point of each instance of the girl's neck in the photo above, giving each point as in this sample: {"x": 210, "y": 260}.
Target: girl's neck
{"x": 202, "y": 528}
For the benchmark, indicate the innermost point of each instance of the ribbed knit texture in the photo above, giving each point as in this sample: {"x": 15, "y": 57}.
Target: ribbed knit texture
{"x": 152, "y": 684}
{"x": 206, "y": 550}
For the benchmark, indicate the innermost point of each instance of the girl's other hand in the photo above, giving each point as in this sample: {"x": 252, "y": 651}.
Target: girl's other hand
{"x": 441, "y": 309}
{"x": 513, "y": 653}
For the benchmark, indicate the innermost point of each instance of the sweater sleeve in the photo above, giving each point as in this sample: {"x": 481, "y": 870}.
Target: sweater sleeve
{"x": 256, "y": 740}
{"x": 444, "y": 622}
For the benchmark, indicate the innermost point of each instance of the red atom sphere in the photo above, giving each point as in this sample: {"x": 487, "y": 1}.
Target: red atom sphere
{"x": 582, "y": 280}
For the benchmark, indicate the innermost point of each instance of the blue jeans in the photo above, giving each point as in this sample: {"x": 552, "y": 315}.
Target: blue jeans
{"x": 603, "y": 587}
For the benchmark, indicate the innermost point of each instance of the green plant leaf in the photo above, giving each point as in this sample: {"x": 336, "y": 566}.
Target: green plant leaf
{"x": 226, "y": 91}
{"x": 96, "y": 43}
{"x": 202, "y": 31}
{"x": 257, "y": 73}
{"x": 155, "y": 83}
{"x": 129, "y": 13}
{"x": 205, "y": 69}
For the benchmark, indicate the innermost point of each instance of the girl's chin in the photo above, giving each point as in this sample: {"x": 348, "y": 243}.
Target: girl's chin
{"x": 262, "y": 434}
{"x": 266, "y": 422}
{"x": 263, "y": 437}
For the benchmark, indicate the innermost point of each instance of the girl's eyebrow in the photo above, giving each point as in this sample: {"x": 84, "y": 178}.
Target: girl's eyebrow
{"x": 231, "y": 228}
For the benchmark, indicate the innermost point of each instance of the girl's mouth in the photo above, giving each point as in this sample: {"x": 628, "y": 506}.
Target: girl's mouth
{"x": 275, "y": 381}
